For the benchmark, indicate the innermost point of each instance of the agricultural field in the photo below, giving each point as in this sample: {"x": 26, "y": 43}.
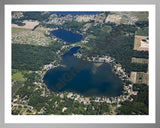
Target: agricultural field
{"x": 140, "y": 77}
{"x": 28, "y": 24}
{"x": 140, "y": 45}
{"x": 133, "y": 77}
{"x": 139, "y": 60}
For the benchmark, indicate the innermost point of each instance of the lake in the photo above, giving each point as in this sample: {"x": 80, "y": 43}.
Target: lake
{"x": 94, "y": 79}
{"x": 67, "y": 35}
{"x": 75, "y": 12}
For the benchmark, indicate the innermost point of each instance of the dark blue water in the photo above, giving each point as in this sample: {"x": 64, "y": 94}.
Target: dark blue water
{"x": 88, "y": 80}
{"x": 71, "y": 51}
{"x": 67, "y": 35}
{"x": 76, "y": 12}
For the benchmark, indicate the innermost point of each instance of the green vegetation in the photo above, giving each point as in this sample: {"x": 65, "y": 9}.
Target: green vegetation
{"x": 40, "y": 16}
{"x": 142, "y": 31}
{"x": 18, "y": 76}
{"x": 27, "y": 36}
{"x": 142, "y": 24}
{"x": 18, "y": 22}
{"x": 105, "y": 39}
{"x": 54, "y": 105}
{"x": 28, "y": 87}
{"x": 142, "y": 78}
{"x": 142, "y": 16}
{"x": 139, "y": 105}
{"x": 18, "y": 30}
{"x": 30, "y": 57}
{"x": 116, "y": 44}
{"x": 18, "y": 79}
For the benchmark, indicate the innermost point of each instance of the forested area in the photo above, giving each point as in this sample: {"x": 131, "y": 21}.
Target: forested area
{"x": 142, "y": 24}
{"x": 73, "y": 107}
{"x": 118, "y": 44}
{"x": 31, "y": 57}
{"x": 37, "y": 15}
{"x": 139, "y": 105}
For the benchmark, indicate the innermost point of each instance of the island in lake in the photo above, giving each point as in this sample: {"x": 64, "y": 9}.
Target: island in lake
{"x": 85, "y": 63}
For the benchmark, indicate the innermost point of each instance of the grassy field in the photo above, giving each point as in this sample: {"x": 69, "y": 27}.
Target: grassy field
{"x": 142, "y": 16}
{"x": 18, "y": 76}
{"x": 143, "y": 31}
{"x": 133, "y": 77}
{"x": 107, "y": 28}
{"x": 139, "y": 60}
{"x": 91, "y": 36}
{"x": 18, "y": 30}
{"x": 140, "y": 77}
{"x": 18, "y": 80}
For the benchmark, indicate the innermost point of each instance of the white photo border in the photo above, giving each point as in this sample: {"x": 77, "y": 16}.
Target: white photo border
{"x": 9, "y": 118}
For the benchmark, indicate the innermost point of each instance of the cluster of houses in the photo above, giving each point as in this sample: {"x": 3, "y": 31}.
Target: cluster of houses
{"x": 87, "y": 100}
{"x": 29, "y": 37}
{"x": 128, "y": 89}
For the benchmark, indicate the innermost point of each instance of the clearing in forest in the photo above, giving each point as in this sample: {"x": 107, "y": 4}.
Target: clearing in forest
{"x": 140, "y": 77}
{"x": 139, "y": 60}
{"x": 141, "y": 43}
{"x": 28, "y": 24}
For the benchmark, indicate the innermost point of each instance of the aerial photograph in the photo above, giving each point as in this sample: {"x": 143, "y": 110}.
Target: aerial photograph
{"x": 80, "y": 63}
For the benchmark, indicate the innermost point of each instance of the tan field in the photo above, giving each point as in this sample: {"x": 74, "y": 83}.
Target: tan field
{"x": 139, "y": 60}
{"x": 140, "y": 77}
{"x": 28, "y": 24}
{"x": 85, "y": 18}
{"x": 140, "y": 45}
{"x": 133, "y": 76}
{"x": 113, "y": 18}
